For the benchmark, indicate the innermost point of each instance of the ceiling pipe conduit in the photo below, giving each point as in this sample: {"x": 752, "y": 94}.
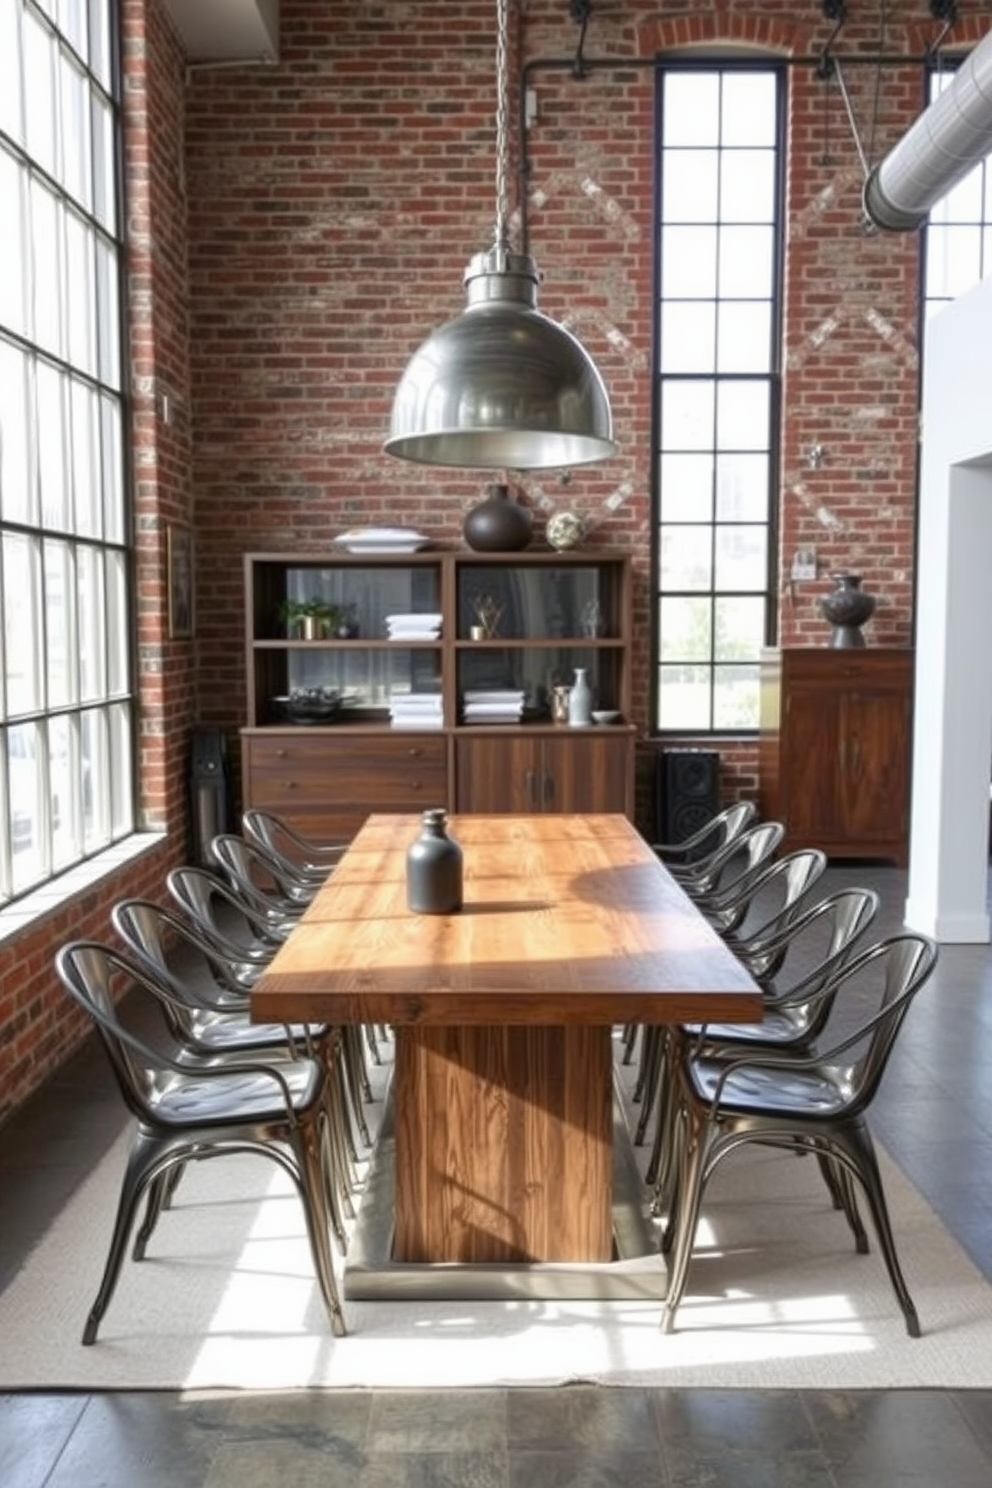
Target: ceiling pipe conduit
{"x": 946, "y": 142}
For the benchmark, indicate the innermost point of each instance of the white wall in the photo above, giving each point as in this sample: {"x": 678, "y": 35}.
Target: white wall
{"x": 952, "y": 748}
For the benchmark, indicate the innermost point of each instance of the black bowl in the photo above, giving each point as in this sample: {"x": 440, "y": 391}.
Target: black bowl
{"x": 313, "y": 706}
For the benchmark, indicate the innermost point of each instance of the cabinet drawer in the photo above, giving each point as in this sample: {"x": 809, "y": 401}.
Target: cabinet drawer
{"x": 381, "y": 773}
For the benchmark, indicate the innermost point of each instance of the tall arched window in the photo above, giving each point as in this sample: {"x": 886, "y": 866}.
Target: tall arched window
{"x": 717, "y": 359}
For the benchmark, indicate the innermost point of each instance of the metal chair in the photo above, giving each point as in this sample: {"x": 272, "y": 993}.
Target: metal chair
{"x": 254, "y": 878}
{"x": 249, "y": 941}
{"x": 694, "y": 859}
{"x": 726, "y": 904}
{"x": 784, "y": 884}
{"x": 814, "y": 1104}
{"x": 795, "y": 1011}
{"x": 241, "y": 936}
{"x": 211, "y": 1012}
{"x": 190, "y": 1110}
{"x": 313, "y": 861}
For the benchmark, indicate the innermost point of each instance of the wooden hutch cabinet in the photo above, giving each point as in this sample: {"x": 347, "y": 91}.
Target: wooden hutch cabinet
{"x": 835, "y": 749}
{"x": 545, "y": 614}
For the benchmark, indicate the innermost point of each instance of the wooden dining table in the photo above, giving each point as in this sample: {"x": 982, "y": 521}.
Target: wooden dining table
{"x": 503, "y": 1015}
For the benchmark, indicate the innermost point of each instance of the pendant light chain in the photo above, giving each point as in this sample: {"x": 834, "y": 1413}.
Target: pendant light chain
{"x": 502, "y": 149}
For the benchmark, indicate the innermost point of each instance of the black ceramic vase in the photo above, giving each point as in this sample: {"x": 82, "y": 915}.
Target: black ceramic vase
{"x": 847, "y": 608}
{"x": 499, "y": 524}
{"x": 434, "y": 868}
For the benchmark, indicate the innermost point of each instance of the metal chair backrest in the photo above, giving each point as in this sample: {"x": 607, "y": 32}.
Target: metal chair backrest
{"x": 693, "y": 851}
{"x": 842, "y": 917}
{"x": 163, "y": 942}
{"x": 727, "y": 901}
{"x": 221, "y": 916}
{"x": 778, "y": 892}
{"x": 855, "y": 1047}
{"x": 313, "y": 859}
{"x": 254, "y": 878}
{"x": 96, "y": 978}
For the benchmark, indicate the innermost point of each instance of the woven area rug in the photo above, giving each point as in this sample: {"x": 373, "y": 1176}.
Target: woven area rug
{"x": 777, "y": 1296}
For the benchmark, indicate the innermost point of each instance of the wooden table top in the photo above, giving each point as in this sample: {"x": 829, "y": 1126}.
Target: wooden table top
{"x": 566, "y": 919}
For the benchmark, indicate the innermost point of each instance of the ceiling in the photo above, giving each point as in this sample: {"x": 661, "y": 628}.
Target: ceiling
{"x": 227, "y": 30}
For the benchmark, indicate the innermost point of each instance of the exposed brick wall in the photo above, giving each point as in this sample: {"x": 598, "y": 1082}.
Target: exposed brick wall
{"x": 335, "y": 199}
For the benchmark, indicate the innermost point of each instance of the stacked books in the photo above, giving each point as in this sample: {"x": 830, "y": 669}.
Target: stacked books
{"x": 419, "y": 627}
{"x": 415, "y": 710}
{"x": 493, "y": 705}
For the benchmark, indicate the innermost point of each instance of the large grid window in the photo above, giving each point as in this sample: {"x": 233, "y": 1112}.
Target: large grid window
{"x": 65, "y": 701}
{"x": 719, "y": 196}
{"x": 959, "y": 230}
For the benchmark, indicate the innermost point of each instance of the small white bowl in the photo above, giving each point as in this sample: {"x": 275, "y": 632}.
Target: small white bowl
{"x": 605, "y": 715}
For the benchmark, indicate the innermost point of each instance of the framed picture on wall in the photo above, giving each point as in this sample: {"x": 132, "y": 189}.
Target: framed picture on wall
{"x": 179, "y": 542}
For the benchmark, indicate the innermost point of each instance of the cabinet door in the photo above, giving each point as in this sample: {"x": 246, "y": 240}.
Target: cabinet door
{"x": 810, "y": 764}
{"x": 874, "y": 728}
{"x": 499, "y": 773}
{"x": 569, "y": 771}
{"x": 586, "y": 772}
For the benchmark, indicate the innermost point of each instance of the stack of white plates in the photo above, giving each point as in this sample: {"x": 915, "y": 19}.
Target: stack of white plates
{"x": 380, "y": 540}
{"x": 415, "y": 710}
{"x": 493, "y": 705}
{"x": 421, "y": 627}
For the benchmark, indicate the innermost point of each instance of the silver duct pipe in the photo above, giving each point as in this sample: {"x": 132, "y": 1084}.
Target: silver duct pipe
{"x": 946, "y": 141}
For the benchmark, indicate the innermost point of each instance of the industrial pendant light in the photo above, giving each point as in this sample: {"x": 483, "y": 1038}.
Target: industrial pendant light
{"x": 501, "y": 386}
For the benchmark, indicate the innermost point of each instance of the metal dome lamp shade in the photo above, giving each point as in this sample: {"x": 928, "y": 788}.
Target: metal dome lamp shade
{"x": 501, "y": 387}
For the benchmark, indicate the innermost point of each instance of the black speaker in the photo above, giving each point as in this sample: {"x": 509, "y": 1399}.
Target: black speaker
{"x": 209, "y": 789}
{"x": 687, "y": 792}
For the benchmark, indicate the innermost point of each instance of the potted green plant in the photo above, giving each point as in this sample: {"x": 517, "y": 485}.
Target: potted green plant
{"x": 310, "y": 619}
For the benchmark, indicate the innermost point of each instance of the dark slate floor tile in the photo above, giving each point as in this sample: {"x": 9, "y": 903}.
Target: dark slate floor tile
{"x": 34, "y": 1430}
{"x": 582, "y": 1416}
{"x": 897, "y": 1439}
{"x": 458, "y": 1421}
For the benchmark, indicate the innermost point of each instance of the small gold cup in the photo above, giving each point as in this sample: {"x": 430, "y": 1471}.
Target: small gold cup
{"x": 559, "y": 704}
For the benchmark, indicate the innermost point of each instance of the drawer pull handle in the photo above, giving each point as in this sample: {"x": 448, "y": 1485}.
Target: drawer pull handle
{"x": 414, "y": 753}
{"x": 288, "y": 784}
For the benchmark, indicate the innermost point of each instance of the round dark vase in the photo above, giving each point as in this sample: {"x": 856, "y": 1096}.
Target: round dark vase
{"x": 847, "y": 608}
{"x": 498, "y": 524}
{"x": 434, "y": 868}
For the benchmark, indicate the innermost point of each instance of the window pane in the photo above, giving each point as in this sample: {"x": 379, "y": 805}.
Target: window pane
{"x": 685, "y": 488}
{"x": 746, "y": 263}
{"x": 11, "y": 115}
{"x": 117, "y": 625}
{"x": 741, "y": 558}
{"x": 22, "y": 623}
{"x": 64, "y": 770}
{"x": 46, "y": 282}
{"x": 736, "y": 697}
{"x": 96, "y": 764}
{"x": 747, "y": 186}
{"x": 685, "y": 626}
{"x": 686, "y": 558}
{"x": 742, "y": 487}
{"x": 688, "y": 262}
{"x": 744, "y": 341}
{"x": 687, "y": 415}
{"x": 104, "y": 195}
{"x": 13, "y": 255}
{"x": 112, "y": 470}
{"x": 39, "y": 88}
{"x": 16, "y": 496}
{"x": 121, "y": 768}
{"x": 75, "y": 132}
{"x": 692, "y": 109}
{"x": 90, "y": 622}
{"x": 953, "y": 261}
{"x": 684, "y": 698}
{"x": 80, "y": 295}
{"x": 688, "y": 336}
{"x": 749, "y": 114}
{"x": 99, "y": 39}
{"x": 689, "y": 186}
{"x": 108, "y": 315}
{"x": 26, "y": 762}
{"x": 742, "y": 415}
{"x": 739, "y": 627}
{"x": 60, "y": 642}
{"x": 52, "y": 447}
{"x": 85, "y": 442}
